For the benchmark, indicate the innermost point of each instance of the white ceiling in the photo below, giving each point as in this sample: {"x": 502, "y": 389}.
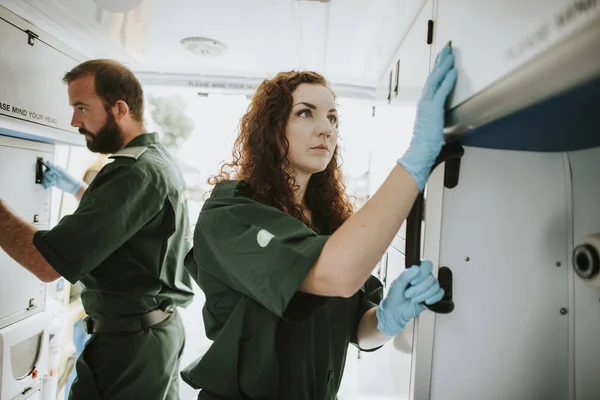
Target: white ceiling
{"x": 350, "y": 41}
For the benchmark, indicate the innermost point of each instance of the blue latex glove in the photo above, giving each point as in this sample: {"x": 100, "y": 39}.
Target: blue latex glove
{"x": 60, "y": 178}
{"x": 403, "y": 303}
{"x": 428, "y": 135}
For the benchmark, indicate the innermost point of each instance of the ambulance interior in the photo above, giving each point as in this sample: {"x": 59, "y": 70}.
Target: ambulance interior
{"x": 511, "y": 211}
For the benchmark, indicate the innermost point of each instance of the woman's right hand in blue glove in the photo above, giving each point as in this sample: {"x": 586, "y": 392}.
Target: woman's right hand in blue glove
{"x": 428, "y": 135}
{"x": 60, "y": 178}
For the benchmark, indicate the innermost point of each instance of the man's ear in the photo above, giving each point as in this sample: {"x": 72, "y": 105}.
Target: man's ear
{"x": 121, "y": 108}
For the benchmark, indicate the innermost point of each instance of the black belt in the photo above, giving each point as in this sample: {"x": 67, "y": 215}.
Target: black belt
{"x": 126, "y": 324}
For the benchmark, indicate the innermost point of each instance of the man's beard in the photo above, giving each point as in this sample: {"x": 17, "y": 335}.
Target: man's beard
{"x": 108, "y": 140}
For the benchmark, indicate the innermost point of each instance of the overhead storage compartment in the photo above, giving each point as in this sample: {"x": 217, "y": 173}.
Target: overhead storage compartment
{"x": 33, "y": 99}
{"x": 507, "y": 63}
{"x": 509, "y": 55}
{"x": 492, "y": 39}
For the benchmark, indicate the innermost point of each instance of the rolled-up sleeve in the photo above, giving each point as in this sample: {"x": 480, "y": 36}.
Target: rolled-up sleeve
{"x": 115, "y": 207}
{"x": 257, "y": 250}
{"x": 371, "y": 295}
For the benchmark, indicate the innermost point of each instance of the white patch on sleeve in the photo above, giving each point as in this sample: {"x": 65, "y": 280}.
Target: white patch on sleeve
{"x": 263, "y": 237}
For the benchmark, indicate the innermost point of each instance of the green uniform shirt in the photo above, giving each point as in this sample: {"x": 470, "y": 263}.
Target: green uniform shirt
{"x": 127, "y": 239}
{"x": 270, "y": 340}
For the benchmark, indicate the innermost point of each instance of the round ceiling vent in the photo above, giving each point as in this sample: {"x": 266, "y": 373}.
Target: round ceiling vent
{"x": 204, "y": 46}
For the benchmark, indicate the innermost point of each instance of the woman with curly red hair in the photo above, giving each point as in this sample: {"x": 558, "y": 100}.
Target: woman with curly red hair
{"x": 285, "y": 264}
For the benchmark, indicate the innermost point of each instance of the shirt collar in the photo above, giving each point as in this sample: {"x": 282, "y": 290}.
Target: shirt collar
{"x": 143, "y": 140}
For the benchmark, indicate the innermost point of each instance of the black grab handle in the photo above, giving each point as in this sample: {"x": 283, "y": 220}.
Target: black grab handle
{"x": 450, "y": 154}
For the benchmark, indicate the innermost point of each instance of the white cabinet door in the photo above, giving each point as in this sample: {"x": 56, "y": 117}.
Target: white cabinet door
{"x": 24, "y": 357}
{"x": 493, "y": 38}
{"x": 412, "y": 64}
{"x": 504, "y": 233}
{"x": 21, "y": 293}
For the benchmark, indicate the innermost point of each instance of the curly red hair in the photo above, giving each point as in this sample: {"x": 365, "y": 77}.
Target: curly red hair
{"x": 258, "y": 159}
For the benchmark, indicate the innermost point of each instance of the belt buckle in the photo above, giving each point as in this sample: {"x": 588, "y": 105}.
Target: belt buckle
{"x": 88, "y": 325}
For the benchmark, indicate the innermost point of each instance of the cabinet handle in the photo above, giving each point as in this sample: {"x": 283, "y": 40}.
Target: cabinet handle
{"x": 397, "y": 78}
{"x": 389, "y": 98}
{"x": 430, "y": 31}
{"x": 39, "y": 170}
{"x": 450, "y": 152}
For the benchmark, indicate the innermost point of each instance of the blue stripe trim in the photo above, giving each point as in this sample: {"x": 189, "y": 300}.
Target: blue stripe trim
{"x": 23, "y": 135}
{"x": 567, "y": 122}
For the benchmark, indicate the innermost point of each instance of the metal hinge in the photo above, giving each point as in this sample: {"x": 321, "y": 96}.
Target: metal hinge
{"x": 31, "y": 36}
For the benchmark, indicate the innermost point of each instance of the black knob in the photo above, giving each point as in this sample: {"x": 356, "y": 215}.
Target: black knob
{"x": 586, "y": 261}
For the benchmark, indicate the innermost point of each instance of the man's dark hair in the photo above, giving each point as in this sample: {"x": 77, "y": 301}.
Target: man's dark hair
{"x": 112, "y": 81}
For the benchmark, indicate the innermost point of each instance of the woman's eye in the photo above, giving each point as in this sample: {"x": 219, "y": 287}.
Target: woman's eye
{"x": 305, "y": 113}
{"x": 333, "y": 119}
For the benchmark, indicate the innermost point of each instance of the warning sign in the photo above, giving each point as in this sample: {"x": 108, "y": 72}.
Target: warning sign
{"x": 13, "y": 110}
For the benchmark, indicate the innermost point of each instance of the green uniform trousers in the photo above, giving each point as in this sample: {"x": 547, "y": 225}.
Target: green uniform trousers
{"x": 142, "y": 365}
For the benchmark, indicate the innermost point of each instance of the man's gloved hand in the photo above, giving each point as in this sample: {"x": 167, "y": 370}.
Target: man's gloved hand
{"x": 403, "y": 302}
{"x": 60, "y": 178}
{"x": 428, "y": 135}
